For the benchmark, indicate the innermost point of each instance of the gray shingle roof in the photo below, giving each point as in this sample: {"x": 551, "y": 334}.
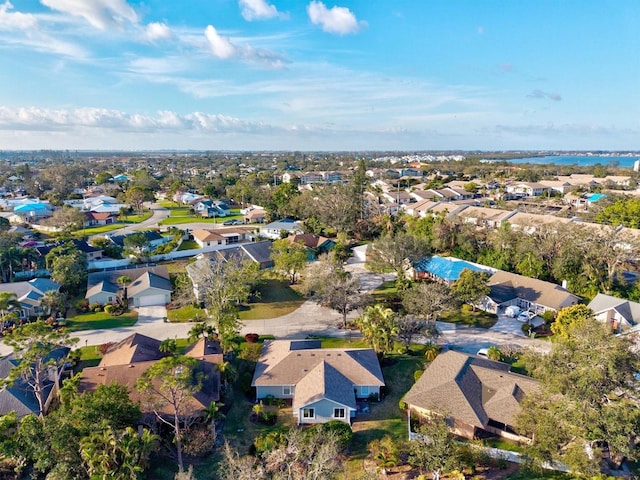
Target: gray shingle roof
{"x": 507, "y": 286}
{"x": 629, "y": 310}
{"x": 471, "y": 389}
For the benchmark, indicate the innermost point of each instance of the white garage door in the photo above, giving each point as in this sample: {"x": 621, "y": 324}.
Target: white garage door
{"x": 151, "y": 300}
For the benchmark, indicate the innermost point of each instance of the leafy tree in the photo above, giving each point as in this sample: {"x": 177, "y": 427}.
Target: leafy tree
{"x": 223, "y": 285}
{"x": 410, "y": 327}
{"x": 570, "y": 318}
{"x": 102, "y": 177}
{"x": 282, "y": 197}
{"x": 494, "y": 353}
{"x": 67, "y": 218}
{"x": 331, "y": 286}
{"x": 471, "y": 287}
{"x": 70, "y": 271}
{"x": 136, "y": 196}
{"x": 169, "y": 346}
{"x": 396, "y": 253}
{"x": 623, "y": 211}
{"x": 378, "y": 326}
{"x": 33, "y": 344}
{"x": 109, "y": 248}
{"x": 428, "y": 300}
{"x": 384, "y": 451}
{"x": 136, "y": 243}
{"x": 289, "y": 257}
{"x": 586, "y": 396}
{"x": 433, "y": 448}
{"x": 170, "y": 385}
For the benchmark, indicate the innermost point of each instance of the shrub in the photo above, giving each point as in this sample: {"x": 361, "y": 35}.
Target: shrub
{"x": 82, "y": 305}
{"x": 416, "y": 375}
{"x": 95, "y": 307}
{"x": 269, "y": 441}
{"x": 341, "y": 430}
{"x": 466, "y": 308}
{"x": 252, "y": 337}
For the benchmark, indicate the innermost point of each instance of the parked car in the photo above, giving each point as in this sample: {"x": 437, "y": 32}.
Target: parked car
{"x": 525, "y": 316}
{"x": 232, "y": 222}
{"x": 483, "y": 352}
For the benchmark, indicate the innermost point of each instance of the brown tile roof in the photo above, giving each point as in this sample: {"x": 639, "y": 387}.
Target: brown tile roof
{"x": 206, "y": 235}
{"x": 309, "y": 240}
{"x": 134, "y": 348}
{"x": 471, "y": 389}
{"x": 280, "y": 364}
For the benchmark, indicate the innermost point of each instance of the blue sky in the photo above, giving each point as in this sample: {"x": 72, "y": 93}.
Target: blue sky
{"x": 318, "y": 75}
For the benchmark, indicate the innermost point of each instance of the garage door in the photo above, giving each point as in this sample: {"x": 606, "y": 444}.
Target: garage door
{"x": 152, "y": 300}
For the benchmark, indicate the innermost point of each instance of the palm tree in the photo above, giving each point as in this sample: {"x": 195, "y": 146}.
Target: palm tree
{"x": 494, "y": 353}
{"x": 53, "y": 302}
{"x": 124, "y": 282}
{"x": 228, "y": 372}
{"x": 431, "y": 352}
{"x": 8, "y": 300}
{"x": 9, "y": 258}
{"x": 169, "y": 346}
{"x": 379, "y": 328}
{"x": 211, "y": 414}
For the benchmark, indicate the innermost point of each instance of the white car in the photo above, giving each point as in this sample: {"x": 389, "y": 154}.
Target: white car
{"x": 525, "y": 316}
{"x": 483, "y": 352}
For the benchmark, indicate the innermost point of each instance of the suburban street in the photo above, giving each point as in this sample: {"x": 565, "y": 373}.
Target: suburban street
{"x": 312, "y": 319}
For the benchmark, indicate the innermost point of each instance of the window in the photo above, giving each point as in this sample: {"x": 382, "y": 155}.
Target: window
{"x": 109, "y": 299}
{"x": 338, "y": 413}
{"x": 286, "y": 390}
{"x": 308, "y": 413}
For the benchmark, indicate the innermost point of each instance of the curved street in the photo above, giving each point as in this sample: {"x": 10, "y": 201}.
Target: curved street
{"x": 312, "y": 319}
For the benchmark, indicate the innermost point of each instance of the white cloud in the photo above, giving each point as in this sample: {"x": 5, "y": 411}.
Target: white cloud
{"x": 101, "y": 14}
{"x": 223, "y": 48}
{"x": 220, "y": 46}
{"x": 338, "y": 20}
{"x": 539, "y": 94}
{"x": 257, "y": 10}
{"x": 15, "y": 20}
{"x": 42, "y": 119}
{"x": 158, "y": 31}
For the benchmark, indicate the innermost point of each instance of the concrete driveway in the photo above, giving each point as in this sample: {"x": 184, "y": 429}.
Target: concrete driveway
{"x": 151, "y": 315}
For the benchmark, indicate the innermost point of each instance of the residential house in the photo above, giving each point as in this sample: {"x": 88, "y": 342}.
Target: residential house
{"x": 486, "y": 217}
{"x": 29, "y": 294}
{"x": 530, "y": 222}
{"x": 411, "y": 172}
{"x": 154, "y": 239}
{"x": 322, "y": 384}
{"x": 31, "y": 213}
{"x": 419, "y": 209}
{"x": 19, "y": 397}
{"x": 126, "y": 361}
{"x": 257, "y": 215}
{"x": 207, "y": 238}
{"x": 475, "y": 394}
{"x": 620, "y": 313}
{"x": 92, "y": 253}
{"x": 211, "y": 209}
{"x": 149, "y": 286}
{"x": 526, "y": 189}
{"x": 527, "y": 293}
{"x": 315, "y": 244}
{"x": 186, "y": 198}
{"x": 311, "y": 177}
{"x": 400, "y": 197}
{"x": 99, "y": 218}
{"x": 445, "y": 270}
{"x": 559, "y": 186}
{"x": 258, "y": 252}
{"x": 333, "y": 177}
{"x": 274, "y": 230}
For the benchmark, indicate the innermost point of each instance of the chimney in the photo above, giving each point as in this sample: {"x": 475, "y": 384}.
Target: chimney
{"x": 564, "y": 284}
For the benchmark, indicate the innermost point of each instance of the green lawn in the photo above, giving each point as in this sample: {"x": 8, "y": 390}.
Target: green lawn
{"x": 386, "y": 291}
{"x": 478, "y": 318}
{"x": 138, "y": 218}
{"x": 277, "y": 298}
{"x": 188, "y": 313}
{"x": 97, "y": 229}
{"x": 101, "y": 321}
{"x": 188, "y": 245}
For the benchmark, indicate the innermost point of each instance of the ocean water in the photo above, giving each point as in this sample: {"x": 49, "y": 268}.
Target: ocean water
{"x": 581, "y": 160}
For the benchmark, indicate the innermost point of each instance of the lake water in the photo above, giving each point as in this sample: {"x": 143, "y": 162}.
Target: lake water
{"x": 582, "y": 160}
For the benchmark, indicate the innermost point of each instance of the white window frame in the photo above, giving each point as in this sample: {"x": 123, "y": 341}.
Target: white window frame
{"x": 309, "y": 413}
{"x": 340, "y": 410}
{"x": 286, "y": 390}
